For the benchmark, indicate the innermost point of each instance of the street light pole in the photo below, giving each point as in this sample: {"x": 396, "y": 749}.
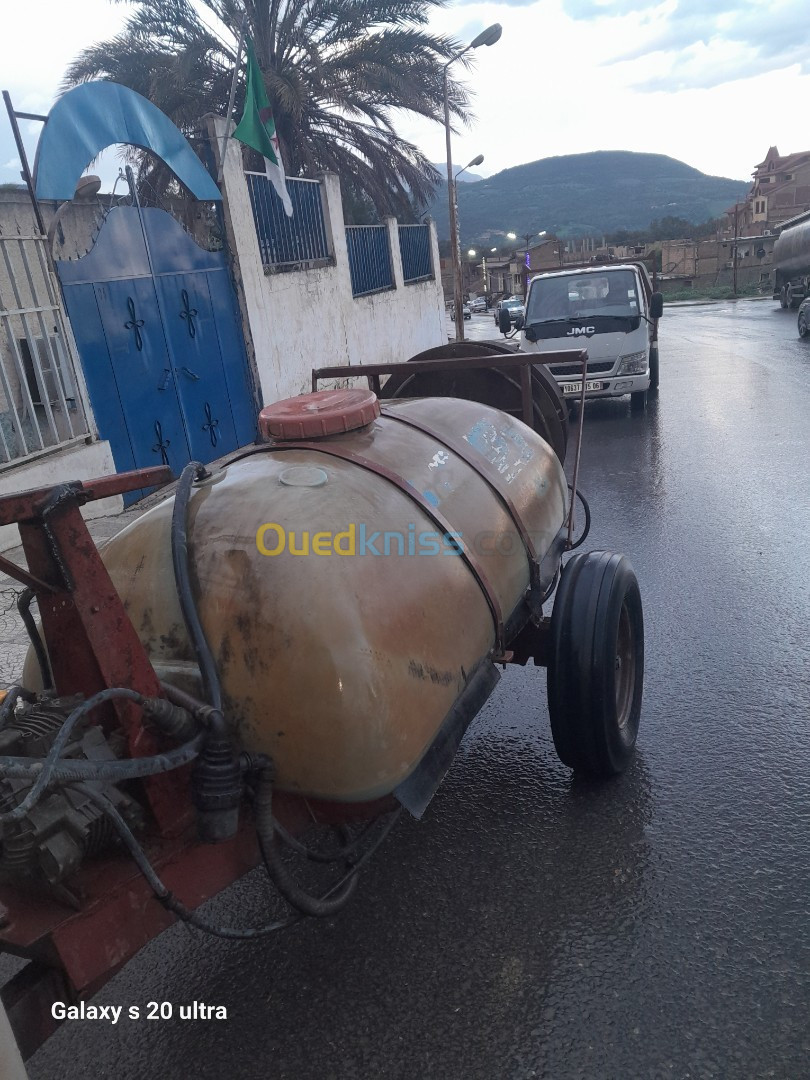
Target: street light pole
{"x": 451, "y": 193}
{"x": 486, "y": 37}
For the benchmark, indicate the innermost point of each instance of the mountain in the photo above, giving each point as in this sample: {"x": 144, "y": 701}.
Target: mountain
{"x": 587, "y": 194}
{"x": 465, "y": 178}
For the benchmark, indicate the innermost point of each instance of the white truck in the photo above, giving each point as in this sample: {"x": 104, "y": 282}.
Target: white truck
{"x": 613, "y": 312}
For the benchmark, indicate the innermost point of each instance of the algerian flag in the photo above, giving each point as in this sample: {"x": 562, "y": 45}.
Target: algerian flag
{"x": 257, "y": 128}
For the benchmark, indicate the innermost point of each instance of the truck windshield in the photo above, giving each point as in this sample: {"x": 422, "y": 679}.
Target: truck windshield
{"x": 572, "y": 297}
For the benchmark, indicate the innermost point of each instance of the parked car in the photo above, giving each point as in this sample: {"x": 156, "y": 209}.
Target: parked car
{"x": 804, "y": 319}
{"x": 478, "y": 305}
{"x": 465, "y": 309}
{"x": 514, "y": 305}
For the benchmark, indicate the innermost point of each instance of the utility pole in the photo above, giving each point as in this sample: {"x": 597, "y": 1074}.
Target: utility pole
{"x": 734, "y": 260}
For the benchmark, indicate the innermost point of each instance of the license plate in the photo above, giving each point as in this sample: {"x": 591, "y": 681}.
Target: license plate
{"x": 576, "y": 387}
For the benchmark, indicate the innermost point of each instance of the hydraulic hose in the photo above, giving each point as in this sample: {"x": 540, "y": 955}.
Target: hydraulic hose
{"x": 10, "y": 700}
{"x": 346, "y": 852}
{"x": 24, "y": 608}
{"x": 70, "y": 770}
{"x": 585, "y": 506}
{"x": 299, "y": 898}
{"x": 171, "y": 903}
{"x": 182, "y": 577}
{"x": 46, "y": 767}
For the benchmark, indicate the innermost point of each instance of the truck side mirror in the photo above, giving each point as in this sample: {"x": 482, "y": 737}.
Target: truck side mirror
{"x": 504, "y": 320}
{"x": 656, "y": 305}
{"x": 519, "y": 322}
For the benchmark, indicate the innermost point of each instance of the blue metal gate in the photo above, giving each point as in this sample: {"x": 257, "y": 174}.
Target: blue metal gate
{"x": 158, "y": 334}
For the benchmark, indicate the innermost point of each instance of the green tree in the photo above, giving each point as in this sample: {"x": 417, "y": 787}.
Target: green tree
{"x": 338, "y": 74}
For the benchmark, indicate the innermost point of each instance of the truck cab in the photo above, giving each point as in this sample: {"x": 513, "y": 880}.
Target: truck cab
{"x": 610, "y": 310}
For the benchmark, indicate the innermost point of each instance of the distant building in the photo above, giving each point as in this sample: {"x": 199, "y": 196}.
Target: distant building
{"x": 780, "y": 190}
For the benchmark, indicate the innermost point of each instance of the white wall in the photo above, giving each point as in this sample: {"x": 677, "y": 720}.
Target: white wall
{"x": 77, "y": 462}
{"x": 308, "y": 318}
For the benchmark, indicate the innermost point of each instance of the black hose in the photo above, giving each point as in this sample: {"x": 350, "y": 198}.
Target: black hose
{"x": 10, "y": 700}
{"x": 45, "y": 770}
{"x": 171, "y": 902}
{"x": 70, "y": 770}
{"x": 581, "y": 540}
{"x": 167, "y": 898}
{"x": 24, "y": 608}
{"x": 182, "y": 577}
{"x": 348, "y": 849}
{"x": 293, "y": 893}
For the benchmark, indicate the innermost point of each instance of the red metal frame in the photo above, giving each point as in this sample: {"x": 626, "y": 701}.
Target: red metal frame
{"x": 92, "y": 645}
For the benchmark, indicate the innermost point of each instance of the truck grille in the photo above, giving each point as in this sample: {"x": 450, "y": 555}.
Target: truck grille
{"x": 576, "y": 369}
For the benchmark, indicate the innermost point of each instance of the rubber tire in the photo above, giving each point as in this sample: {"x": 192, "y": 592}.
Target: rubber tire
{"x": 790, "y": 298}
{"x": 804, "y": 327}
{"x": 594, "y": 589}
{"x": 638, "y": 401}
{"x": 653, "y": 367}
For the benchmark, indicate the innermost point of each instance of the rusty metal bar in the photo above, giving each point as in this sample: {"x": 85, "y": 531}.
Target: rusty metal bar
{"x": 29, "y": 180}
{"x": 27, "y": 505}
{"x": 416, "y": 367}
{"x": 579, "y": 451}
{"x": 526, "y": 398}
{"x": 21, "y": 575}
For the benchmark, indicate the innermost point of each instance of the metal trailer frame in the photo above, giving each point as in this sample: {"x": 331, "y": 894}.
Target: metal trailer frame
{"x": 74, "y": 950}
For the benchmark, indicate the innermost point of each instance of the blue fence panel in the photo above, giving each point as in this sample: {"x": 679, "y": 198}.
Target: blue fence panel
{"x": 414, "y": 249}
{"x": 369, "y": 259}
{"x": 284, "y": 240}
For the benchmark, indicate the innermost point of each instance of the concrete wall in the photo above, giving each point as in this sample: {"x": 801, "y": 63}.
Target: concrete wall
{"x": 308, "y": 318}
{"x": 80, "y": 461}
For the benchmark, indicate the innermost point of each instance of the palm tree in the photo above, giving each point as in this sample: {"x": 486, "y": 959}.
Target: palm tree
{"x": 337, "y": 73}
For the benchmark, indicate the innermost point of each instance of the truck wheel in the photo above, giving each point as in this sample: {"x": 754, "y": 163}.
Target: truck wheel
{"x": 790, "y": 298}
{"x": 638, "y": 401}
{"x": 596, "y": 664}
{"x": 654, "y": 367}
{"x": 804, "y": 328}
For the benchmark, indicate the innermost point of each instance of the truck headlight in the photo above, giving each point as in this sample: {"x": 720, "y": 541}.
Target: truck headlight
{"x": 634, "y": 363}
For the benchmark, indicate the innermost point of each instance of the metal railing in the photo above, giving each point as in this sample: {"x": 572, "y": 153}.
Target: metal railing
{"x": 369, "y": 259}
{"x": 40, "y": 401}
{"x": 414, "y": 250}
{"x": 288, "y": 241}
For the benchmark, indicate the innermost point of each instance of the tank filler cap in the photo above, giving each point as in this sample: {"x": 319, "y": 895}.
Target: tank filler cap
{"x": 326, "y": 412}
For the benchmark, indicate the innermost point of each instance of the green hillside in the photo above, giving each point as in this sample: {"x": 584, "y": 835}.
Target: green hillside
{"x": 580, "y": 194}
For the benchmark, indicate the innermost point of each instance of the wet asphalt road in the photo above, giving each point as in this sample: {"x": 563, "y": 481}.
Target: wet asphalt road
{"x": 533, "y": 926}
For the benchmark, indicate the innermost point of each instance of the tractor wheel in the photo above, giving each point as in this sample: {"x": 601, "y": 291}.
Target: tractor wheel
{"x": 596, "y": 664}
{"x": 654, "y": 367}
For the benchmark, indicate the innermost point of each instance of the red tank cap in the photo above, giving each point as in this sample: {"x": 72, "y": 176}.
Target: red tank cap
{"x": 326, "y": 412}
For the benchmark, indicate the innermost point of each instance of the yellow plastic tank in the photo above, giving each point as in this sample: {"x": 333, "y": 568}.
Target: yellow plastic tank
{"x": 343, "y": 620}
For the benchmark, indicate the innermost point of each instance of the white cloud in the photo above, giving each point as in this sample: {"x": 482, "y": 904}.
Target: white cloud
{"x": 712, "y": 82}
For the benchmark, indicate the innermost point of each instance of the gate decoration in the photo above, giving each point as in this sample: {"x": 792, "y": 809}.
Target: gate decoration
{"x": 153, "y": 314}
{"x": 95, "y": 115}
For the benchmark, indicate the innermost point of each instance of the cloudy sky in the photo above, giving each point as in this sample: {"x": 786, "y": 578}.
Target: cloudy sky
{"x": 711, "y": 82}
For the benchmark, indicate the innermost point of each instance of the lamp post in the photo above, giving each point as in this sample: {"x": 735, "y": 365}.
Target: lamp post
{"x": 486, "y": 37}
{"x": 470, "y": 265}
